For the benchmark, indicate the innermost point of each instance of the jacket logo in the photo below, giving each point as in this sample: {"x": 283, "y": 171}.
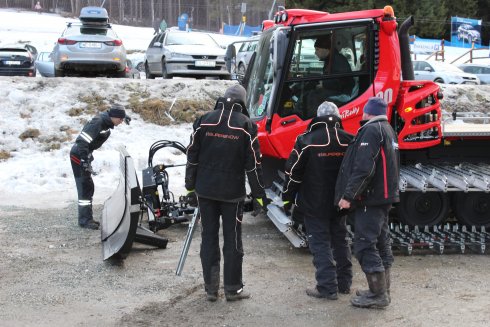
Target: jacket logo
{"x": 364, "y": 144}
{"x": 330, "y": 154}
{"x": 223, "y": 136}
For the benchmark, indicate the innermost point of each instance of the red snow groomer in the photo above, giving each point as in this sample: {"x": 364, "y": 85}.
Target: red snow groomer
{"x": 445, "y": 173}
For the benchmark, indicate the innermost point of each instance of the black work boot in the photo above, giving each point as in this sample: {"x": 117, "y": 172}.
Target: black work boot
{"x": 313, "y": 292}
{"x": 388, "y": 283}
{"x": 213, "y": 287}
{"x": 212, "y": 296}
{"x": 377, "y": 297}
{"x": 91, "y": 224}
{"x": 236, "y": 296}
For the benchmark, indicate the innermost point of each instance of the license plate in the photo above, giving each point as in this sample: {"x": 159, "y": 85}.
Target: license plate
{"x": 92, "y": 45}
{"x": 205, "y": 63}
{"x": 316, "y": 65}
{"x": 12, "y": 63}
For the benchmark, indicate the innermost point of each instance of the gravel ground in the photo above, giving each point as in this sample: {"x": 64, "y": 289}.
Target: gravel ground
{"x": 52, "y": 274}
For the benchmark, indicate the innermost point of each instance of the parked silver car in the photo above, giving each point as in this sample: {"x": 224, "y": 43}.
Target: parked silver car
{"x": 244, "y": 54}
{"x": 469, "y": 33}
{"x": 90, "y": 47}
{"x": 480, "y": 70}
{"x": 179, "y": 53}
{"x": 441, "y": 72}
{"x": 131, "y": 71}
{"x": 45, "y": 64}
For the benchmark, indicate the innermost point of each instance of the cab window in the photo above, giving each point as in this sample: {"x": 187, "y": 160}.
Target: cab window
{"x": 328, "y": 65}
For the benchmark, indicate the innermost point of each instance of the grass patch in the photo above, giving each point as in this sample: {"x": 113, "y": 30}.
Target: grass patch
{"x": 4, "y": 155}
{"x": 30, "y": 133}
{"x": 155, "y": 110}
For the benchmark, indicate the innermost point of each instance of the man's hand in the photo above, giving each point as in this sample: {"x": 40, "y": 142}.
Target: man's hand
{"x": 344, "y": 204}
{"x": 260, "y": 204}
{"x": 86, "y": 166}
{"x": 191, "y": 198}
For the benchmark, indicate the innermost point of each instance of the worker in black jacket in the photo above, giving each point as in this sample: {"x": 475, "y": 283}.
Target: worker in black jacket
{"x": 223, "y": 149}
{"x": 334, "y": 63}
{"x": 368, "y": 184}
{"x": 93, "y": 135}
{"x": 311, "y": 172}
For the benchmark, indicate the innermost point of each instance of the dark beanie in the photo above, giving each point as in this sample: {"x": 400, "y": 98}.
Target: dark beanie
{"x": 323, "y": 41}
{"x": 117, "y": 111}
{"x": 236, "y": 92}
{"x": 375, "y": 106}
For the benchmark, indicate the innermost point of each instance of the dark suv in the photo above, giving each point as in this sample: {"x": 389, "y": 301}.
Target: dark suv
{"x": 17, "y": 61}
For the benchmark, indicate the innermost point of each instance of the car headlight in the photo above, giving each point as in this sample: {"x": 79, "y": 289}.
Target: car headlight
{"x": 221, "y": 58}
{"x": 175, "y": 55}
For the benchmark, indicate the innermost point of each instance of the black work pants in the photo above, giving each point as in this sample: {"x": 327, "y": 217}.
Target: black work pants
{"x": 232, "y": 215}
{"x": 85, "y": 190}
{"x": 372, "y": 243}
{"x": 327, "y": 240}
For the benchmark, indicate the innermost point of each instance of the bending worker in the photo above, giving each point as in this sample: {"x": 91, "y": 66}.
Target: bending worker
{"x": 93, "y": 135}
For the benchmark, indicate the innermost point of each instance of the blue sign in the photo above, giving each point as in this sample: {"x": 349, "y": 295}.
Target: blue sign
{"x": 465, "y": 32}
{"x": 182, "y": 22}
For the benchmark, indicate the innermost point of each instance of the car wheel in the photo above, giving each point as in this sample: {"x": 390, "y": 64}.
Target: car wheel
{"x": 147, "y": 72}
{"x": 59, "y": 73}
{"x": 225, "y": 77}
{"x": 140, "y": 67}
{"x": 439, "y": 80}
{"x": 120, "y": 74}
{"x": 165, "y": 75}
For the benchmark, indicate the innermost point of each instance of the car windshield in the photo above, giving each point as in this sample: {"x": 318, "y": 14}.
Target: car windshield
{"x": 190, "y": 39}
{"x": 441, "y": 66}
{"x": 78, "y": 30}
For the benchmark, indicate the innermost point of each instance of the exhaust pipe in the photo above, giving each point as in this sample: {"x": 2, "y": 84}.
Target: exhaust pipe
{"x": 407, "y": 68}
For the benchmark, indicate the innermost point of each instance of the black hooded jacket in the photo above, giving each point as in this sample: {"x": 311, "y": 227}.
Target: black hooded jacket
{"x": 93, "y": 135}
{"x": 371, "y": 166}
{"x": 223, "y": 148}
{"x": 313, "y": 166}
{"x": 340, "y": 65}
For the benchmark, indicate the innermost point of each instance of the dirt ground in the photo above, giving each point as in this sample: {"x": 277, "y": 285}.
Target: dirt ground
{"x": 52, "y": 274}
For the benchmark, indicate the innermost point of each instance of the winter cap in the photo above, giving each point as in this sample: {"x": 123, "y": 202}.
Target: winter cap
{"x": 117, "y": 111}
{"x": 375, "y": 106}
{"x": 328, "y": 108}
{"x": 323, "y": 41}
{"x": 236, "y": 92}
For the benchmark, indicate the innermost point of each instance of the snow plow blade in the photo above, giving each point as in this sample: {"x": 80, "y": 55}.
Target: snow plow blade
{"x": 121, "y": 212}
